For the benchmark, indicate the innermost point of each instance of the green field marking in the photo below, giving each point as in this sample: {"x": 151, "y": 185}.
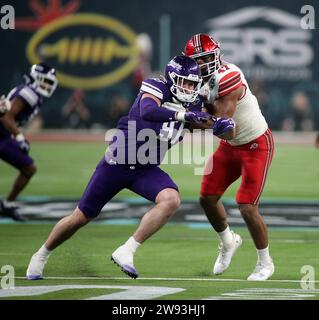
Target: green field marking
{"x": 140, "y": 201}
{"x": 66, "y": 294}
{"x": 168, "y": 279}
{"x": 199, "y": 289}
{"x": 177, "y": 256}
{"x": 65, "y": 168}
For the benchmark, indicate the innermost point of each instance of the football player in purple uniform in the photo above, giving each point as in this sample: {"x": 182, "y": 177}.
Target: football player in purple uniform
{"x": 24, "y": 102}
{"x": 162, "y": 107}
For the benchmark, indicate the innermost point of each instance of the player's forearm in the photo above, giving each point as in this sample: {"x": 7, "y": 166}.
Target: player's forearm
{"x": 202, "y": 126}
{"x": 150, "y": 111}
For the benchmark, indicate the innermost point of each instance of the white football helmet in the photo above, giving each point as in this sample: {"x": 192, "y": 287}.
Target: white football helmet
{"x": 44, "y": 79}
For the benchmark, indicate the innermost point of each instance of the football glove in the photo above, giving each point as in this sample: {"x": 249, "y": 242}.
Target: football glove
{"x": 193, "y": 116}
{"x": 223, "y": 125}
{"x": 23, "y": 143}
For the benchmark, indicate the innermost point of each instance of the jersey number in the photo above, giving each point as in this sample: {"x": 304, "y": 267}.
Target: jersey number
{"x": 168, "y": 130}
{"x": 223, "y": 69}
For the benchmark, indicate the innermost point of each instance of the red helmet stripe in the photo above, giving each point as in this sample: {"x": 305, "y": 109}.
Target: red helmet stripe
{"x": 197, "y": 44}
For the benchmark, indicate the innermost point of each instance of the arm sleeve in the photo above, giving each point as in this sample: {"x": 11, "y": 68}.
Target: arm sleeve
{"x": 150, "y": 111}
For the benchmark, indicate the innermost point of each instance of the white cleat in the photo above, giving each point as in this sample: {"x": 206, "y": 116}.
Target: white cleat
{"x": 124, "y": 259}
{"x": 226, "y": 253}
{"x": 262, "y": 272}
{"x": 36, "y": 266}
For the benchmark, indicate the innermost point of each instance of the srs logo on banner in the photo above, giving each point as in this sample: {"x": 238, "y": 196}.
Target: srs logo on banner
{"x": 266, "y": 42}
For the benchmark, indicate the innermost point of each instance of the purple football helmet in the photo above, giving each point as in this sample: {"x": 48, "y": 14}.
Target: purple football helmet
{"x": 183, "y": 77}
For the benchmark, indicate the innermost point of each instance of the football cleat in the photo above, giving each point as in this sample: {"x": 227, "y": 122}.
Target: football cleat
{"x": 10, "y": 211}
{"x": 124, "y": 259}
{"x": 226, "y": 253}
{"x": 36, "y": 266}
{"x": 263, "y": 271}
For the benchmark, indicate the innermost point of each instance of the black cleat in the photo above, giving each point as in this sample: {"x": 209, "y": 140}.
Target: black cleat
{"x": 10, "y": 212}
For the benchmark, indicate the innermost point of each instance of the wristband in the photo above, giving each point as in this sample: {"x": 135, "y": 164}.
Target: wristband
{"x": 180, "y": 116}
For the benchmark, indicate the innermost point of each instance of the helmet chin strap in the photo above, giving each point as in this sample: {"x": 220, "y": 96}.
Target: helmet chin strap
{"x": 188, "y": 97}
{"x": 175, "y": 100}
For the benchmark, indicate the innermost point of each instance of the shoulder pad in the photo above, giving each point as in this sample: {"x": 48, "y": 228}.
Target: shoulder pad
{"x": 154, "y": 86}
{"x": 229, "y": 79}
{"x": 28, "y": 95}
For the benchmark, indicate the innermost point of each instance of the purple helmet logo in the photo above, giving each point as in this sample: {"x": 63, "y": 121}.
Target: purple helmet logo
{"x": 183, "y": 78}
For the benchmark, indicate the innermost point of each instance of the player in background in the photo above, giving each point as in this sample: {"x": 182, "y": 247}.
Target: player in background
{"x": 164, "y": 106}
{"x": 25, "y": 101}
{"x": 246, "y": 150}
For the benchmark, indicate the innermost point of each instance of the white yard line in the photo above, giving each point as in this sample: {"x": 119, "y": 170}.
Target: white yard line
{"x": 171, "y": 279}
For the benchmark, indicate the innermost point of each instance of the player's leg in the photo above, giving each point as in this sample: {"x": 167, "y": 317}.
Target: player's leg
{"x": 256, "y": 224}
{"x": 65, "y": 228}
{"x": 156, "y": 186}
{"x": 166, "y": 203}
{"x": 62, "y": 231}
{"x": 215, "y": 211}
{"x": 11, "y": 153}
{"x": 256, "y": 163}
{"x": 104, "y": 184}
{"x": 23, "y": 178}
{"x": 226, "y": 170}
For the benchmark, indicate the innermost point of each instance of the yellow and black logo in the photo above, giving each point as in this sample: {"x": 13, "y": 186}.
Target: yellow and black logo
{"x": 88, "y": 50}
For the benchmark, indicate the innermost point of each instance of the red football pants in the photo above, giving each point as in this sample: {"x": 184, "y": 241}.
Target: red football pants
{"x": 251, "y": 161}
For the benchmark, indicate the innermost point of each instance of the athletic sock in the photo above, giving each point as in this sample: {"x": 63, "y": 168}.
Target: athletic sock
{"x": 263, "y": 255}
{"x": 132, "y": 244}
{"x": 226, "y": 237}
{"x": 43, "y": 251}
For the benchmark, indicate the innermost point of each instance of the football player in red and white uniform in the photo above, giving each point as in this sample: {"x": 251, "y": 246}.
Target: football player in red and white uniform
{"x": 246, "y": 149}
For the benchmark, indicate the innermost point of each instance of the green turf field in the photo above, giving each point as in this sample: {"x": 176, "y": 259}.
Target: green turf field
{"x": 179, "y": 256}
{"x": 64, "y": 169}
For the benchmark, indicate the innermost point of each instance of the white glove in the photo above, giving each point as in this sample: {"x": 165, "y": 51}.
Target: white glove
{"x": 23, "y": 143}
{"x": 4, "y": 105}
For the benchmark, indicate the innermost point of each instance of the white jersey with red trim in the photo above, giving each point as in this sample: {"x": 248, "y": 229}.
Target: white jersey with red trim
{"x": 250, "y": 123}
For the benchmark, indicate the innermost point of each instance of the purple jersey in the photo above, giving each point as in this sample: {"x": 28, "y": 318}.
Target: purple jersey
{"x": 146, "y": 142}
{"x": 33, "y": 102}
